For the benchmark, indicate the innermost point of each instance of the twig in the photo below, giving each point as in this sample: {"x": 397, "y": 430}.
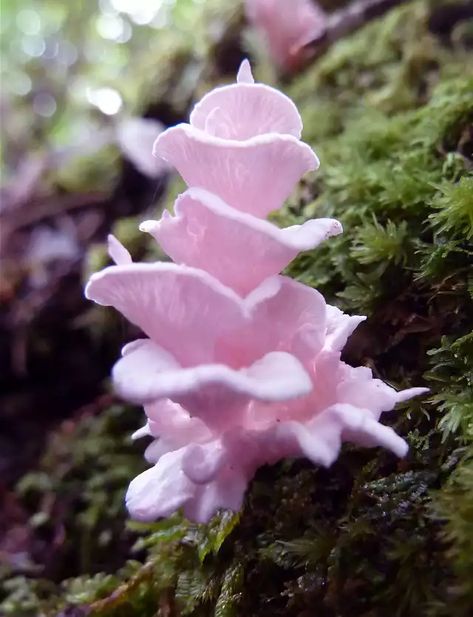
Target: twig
{"x": 347, "y": 20}
{"x": 50, "y": 207}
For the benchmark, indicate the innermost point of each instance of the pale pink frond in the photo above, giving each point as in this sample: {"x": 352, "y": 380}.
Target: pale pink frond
{"x": 160, "y": 490}
{"x": 149, "y": 373}
{"x": 237, "y": 248}
{"x": 245, "y": 110}
{"x": 245, "y": 74}
{"x": 118, "y": 253}
{"x": 171, "y": 421}
{"x": 227, "y": 167}
{"x": 340, "y": 327}
{"x": 165, "y": 299}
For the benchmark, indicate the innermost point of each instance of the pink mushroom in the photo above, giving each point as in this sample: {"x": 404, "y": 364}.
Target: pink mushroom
{"x": 286, "y": 25}
{"x": 240, "y": 366}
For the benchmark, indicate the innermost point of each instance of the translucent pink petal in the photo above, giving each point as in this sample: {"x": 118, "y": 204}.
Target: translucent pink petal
{"x": 320, "y": 441}
{"x": 360, "y": 427}
{"x": 171, "y": 421}
{"x": 136, "y": 375}
{"x": 216, "y": 474}
{"x": 227, "y": 167}
{"x": 339, "y": 327}
{"x": 166, "y": 487}
{"x": 245, "y": 74}
{"x": 197, "y": 320}
{"x": 284, "y": 316}
{"x": 239, "y": 249}
{"x": 367, "y": 393}
{"x": 202, "y": 463}
{"x": 159, "y": 491}
{"x": 244, "y": 110}
{"x": 209, "y": 391}
{"x": 225, "y": 492}
{"x": 182, "y": 309}
{"x": 405, "y": 395}
{"x": 292, "y": 318}
{"x": 159, "y": 447}
{"x": 335, "y": 384}
{"x": 117, "y": 251}
{"x": 144, "y": 431}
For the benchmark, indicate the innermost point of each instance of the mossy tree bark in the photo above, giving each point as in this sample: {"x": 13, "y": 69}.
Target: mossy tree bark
{"x": 389, "y": 111}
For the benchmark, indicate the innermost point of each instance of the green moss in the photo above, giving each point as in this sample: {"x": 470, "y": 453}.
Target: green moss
{"x": 94, "y": 171}
{"x": 454, "y": 203}
{"x": 454, "y": 506}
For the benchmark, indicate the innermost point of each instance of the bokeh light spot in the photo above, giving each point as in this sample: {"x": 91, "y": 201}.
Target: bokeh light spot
{"x": 67, "y": 53}
{"x": 33, "y": 46}
{"x": 20, "y": 84}
{"x": 29, "y": 22}
{"x": 110, "y": 27}
{"x": 44, "y": 104}
{"x": 107, "y": 100}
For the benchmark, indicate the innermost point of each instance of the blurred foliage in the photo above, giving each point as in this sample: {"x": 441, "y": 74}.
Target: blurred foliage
{"x": 389, "y": 111}
{"x": 72, "y": 72}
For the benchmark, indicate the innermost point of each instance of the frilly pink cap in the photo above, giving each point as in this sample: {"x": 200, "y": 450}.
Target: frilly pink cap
{"x": 234, "y": 131}
{"x": 236, "y": 358}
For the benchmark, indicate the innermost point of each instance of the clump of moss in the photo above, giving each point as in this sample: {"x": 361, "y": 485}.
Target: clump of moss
{"x": 75, "y": 501}
{"x": 388, "y": 111}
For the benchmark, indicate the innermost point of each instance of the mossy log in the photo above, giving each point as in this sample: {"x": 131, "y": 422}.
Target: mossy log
{"x": 389, "y": 110}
